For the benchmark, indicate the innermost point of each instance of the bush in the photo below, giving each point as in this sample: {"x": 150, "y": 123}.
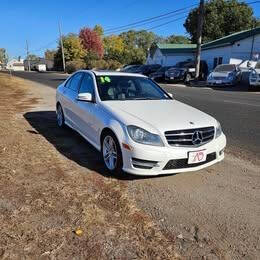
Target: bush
{"x": 75, "y": 65}
{"x": 99, "y": 64}
{"x": 114, "y": 64}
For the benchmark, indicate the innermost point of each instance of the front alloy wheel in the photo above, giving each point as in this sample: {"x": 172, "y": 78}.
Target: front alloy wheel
{"x": 187, "y": 78}
{"x": 112, "y": 154}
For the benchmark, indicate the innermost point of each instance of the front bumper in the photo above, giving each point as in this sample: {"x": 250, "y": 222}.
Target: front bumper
{"x": 162, "y": 158}
{"x": 254, "y": 82}
{"x": 171, "y": 78}
{"x": 223, "y": 82}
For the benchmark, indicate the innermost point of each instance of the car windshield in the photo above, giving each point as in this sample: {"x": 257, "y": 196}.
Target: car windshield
{"x": 131, "y": 67}
{"x": 181, "y": 64}
{"x": 163, "y": 69}
{"x": 128, "y": 88}
{"x": 224, "y": 68}
{"x": 257, "y": 65}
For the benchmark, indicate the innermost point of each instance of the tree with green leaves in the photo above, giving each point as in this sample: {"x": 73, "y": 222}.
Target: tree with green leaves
{"x": 177, "y": 39}
{"x": 99, "y": 30}
{"x": 114, "y": 47}
{"x": 73, "y": 50}
{"x": 222, "y": 18}
{"x": 49, "y": 54}
{"x": 3, "y": 56}
{"x": 32, "y": 57}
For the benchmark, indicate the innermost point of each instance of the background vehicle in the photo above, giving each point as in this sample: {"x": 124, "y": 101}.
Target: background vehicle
{"x": 225, "y": 74}
{"x": 147, "y": 69}
{"x": 129, "y": 68}
{"x": 159, "y": 75}
{"x": 185, "y": 71}
{"x": 40, "y": 67}
{"x": 254, "y": 77}
{"x": 136, "y": 125}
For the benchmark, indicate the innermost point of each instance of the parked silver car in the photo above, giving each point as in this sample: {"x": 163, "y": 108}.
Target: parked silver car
{"x": 225, "y": 75}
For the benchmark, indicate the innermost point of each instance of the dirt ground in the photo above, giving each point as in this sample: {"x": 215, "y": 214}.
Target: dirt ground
{"x": 53, "y": 203}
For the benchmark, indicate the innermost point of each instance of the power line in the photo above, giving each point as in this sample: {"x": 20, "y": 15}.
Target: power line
{"x": 120, "y": 30}
{"x": 180, "y": 18}
{"x": 150, "y": 19}
{"x": 44, "y": 47}
{"x": 155, "y": 19}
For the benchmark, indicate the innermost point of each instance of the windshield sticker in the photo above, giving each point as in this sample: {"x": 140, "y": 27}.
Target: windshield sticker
{"x": 105, "y": 79}
{"x": 102, "y": 80}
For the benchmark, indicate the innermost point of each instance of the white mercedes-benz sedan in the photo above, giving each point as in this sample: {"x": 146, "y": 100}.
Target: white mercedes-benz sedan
{"x": 136, "y": 125}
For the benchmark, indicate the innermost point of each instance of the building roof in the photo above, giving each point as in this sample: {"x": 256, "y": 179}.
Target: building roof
{"x": 230, "y": 39}
{"x": 168, "y": 48}
{"x": 18, "y": 64}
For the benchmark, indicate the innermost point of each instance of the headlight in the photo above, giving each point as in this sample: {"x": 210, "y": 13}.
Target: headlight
{"x": 253, "y": 75}
{"x": 210, "y": 76}
{"x": 142, "y": 136}
{"x": 218, "y": 130}
{"x": 230, "y": 77}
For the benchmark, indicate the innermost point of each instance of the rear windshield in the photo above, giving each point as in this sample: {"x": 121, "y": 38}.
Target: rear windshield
{"x": 222, "y": 68}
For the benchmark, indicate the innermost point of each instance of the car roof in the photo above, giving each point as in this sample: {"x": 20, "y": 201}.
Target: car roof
{"x": 113, "y": 73}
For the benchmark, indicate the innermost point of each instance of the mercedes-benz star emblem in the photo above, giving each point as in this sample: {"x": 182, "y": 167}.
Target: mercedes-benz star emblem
{"x": 197, "y": 138}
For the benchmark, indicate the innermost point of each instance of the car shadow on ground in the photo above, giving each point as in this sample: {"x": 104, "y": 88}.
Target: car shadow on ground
{"x": 69, "y": 143}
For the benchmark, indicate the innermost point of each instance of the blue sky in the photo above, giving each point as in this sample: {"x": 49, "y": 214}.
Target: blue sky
{"x": 37, "y": 21}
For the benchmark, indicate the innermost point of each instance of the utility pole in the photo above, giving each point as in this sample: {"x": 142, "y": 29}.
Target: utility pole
{"x": 199, "y": 37}
{"x": 28, "y": 57}
{"x": 62, "y": 50}
{"x": 253, "y": 41}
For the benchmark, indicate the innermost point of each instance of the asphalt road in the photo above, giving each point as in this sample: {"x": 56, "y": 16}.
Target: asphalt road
{"x": 237, "y": 110}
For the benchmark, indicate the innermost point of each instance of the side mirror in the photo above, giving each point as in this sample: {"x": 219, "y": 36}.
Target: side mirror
{"x": 86, "y": 97}
{"x": 170, "y": 94}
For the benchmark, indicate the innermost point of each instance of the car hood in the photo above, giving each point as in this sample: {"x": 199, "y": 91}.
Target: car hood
{"x": 159, "y": 115}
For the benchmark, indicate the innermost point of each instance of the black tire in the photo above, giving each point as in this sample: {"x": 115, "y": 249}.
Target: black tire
{"x": 187, "y": 78}
{"x": 251, "y": 88}
{"x": 117, "y": 169}
{"x": 60, "y": 116}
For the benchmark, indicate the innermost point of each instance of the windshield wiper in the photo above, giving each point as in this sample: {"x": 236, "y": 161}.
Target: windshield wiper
{"x": 146, "y": 98}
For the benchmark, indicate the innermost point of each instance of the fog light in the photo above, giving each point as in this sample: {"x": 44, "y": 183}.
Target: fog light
{"x": 221, "y": 152}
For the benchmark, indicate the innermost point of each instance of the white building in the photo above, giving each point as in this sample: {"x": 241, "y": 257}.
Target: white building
{"x": 15, "y": 65}
{"x": 170, "y": 54}
{"x": 243, "y": 45}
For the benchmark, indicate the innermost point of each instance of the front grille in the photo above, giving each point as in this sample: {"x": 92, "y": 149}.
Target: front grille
{"x": 183, "y": 163}
{"x": 219, "y": 78}
{"x": 184, "y": 137}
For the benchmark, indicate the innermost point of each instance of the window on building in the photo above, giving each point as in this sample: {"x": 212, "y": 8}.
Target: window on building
{"x": 215, "y": 63}
{"x": 220, "y": 60}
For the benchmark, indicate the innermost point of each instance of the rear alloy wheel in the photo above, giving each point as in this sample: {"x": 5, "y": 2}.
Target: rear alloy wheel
{"x": 111, "y": 152}
{"x": 187, "y": 78}
{"x": 60, "y": 116}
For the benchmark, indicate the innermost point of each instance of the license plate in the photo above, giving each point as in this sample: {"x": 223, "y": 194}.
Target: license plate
{"x": 197, "y": 157}
{"x": 171, "y": 77}
{"x": 219, "y": 81}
